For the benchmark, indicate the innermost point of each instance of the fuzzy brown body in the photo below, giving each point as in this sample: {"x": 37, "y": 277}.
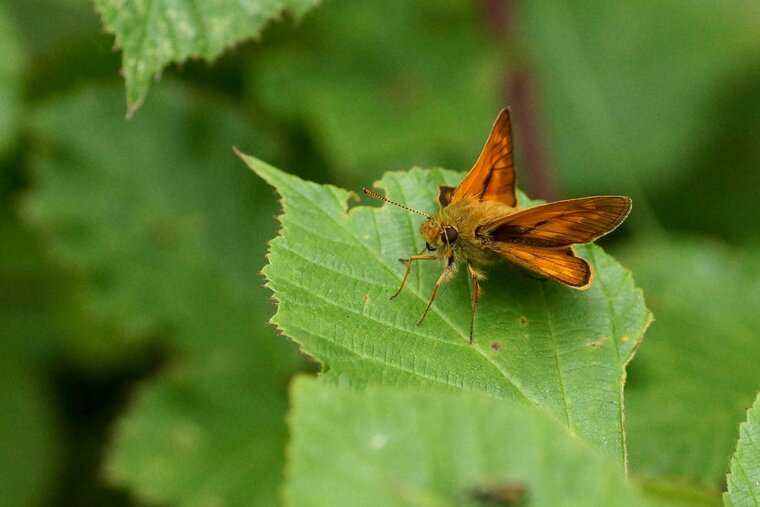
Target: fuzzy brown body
{"x": 470, "y": 218}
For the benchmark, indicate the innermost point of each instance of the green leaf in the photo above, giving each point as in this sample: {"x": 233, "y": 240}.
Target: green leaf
{"x": 697, "y": 371}
{"x": 378, "y": 88}
{"x": 744, "y": 479}
{"x": 30, "y": 335}
{"x": 627, "y": 89}
{"x": 674, "y": 492}
{"x": 152, "y": 34}
{"x": 724, "y": 164}
{"x": 31, "y": 441}
{"x": 11, "y": 66}
{"x": 410, "y": 447}
{"x": 167, "y": 232}
{"x": 207, "y": 433}
{"x": 332, "y": 271}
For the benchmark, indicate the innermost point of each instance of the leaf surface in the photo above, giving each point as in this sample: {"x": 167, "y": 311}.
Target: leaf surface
{"x": 332, "y": 271}
{"x": 154, "y": 33}
{"x": 388, "y": 446}
{"x": 744, "y": 479}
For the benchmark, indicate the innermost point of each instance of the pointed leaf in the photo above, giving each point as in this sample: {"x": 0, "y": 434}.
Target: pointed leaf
{"x": 332, "y": 271}
{"x": 744, "y": 479}
{"x": 154, "y": 33}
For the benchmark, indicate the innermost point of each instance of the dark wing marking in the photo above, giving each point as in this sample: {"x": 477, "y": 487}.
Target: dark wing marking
{"x": 444, "y": 195}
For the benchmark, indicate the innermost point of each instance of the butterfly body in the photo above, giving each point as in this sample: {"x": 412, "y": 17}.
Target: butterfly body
{"x": 472, "y": 237}
{"x": 479, "y": 222}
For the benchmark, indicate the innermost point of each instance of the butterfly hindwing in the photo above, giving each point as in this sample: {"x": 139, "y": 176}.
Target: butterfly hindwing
{"x": 560, "y": 264}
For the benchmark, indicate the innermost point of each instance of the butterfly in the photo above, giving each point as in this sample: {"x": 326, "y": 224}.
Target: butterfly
{"x": 480, "y": 222}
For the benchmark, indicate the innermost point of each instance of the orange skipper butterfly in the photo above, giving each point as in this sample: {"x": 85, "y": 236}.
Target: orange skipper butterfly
{"x": 480, "y": 222}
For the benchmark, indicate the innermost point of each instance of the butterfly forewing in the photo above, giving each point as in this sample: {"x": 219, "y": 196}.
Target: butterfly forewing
{"x": 492, "y": 178}
{"x": 560, "y": 264}
{"x": 561, "y": 223}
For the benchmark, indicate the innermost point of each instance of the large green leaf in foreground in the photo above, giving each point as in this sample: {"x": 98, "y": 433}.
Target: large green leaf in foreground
{"x": 155, "y": 33}
{"x": 389, "y": 447}
{"x": 332, "y": 271}
{"x": 744, "y": 481}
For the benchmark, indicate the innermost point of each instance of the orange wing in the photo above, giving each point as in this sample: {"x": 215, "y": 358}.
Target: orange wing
{"x": 559, "y": 264}
{"x": 492, "y": 178}
{"x": 560, "y": 223}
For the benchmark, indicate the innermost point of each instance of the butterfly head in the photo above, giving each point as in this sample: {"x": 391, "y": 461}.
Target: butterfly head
{"x": 438, "y": 236}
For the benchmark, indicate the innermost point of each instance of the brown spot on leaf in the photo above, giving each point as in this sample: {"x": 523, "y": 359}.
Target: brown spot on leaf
{"x": 495, "y": 346}
{"x": 523, "y": 321}
{"x": 598, "y": 343}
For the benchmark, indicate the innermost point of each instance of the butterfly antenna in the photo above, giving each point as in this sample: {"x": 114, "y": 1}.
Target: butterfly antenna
{"x": 378, "y": 196}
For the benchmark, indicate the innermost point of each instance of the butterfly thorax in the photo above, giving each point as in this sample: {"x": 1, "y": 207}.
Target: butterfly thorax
{"x": 462, "y": 227}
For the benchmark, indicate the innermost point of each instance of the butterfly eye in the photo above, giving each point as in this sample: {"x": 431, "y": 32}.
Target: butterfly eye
{"x": 451, "y": 233}
{"x": 430, "y": 248}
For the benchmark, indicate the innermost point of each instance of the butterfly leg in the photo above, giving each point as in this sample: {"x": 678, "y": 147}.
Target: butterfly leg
{"x": 475, "y": 295}
{"x": 448, "y": 272}
{"x": 418, "y": 257}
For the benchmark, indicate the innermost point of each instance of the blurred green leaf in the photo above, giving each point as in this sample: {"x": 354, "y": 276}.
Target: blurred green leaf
{"x": 744, "y": 480}
{"x": 168, "y": 232}
{"x": 29, "y": 433}
{"x": 208, "y": 432}
{"x": 154, "y": 34}
{"x": 28, "y": 429}
{"x": 386, "y": 85}
{"x": 71, "y": 51}
{"x": 30, "y": 293}
{"x": 625, "y": 86}
{"x": 697, "y": 371}
{"x": 673, "y": 492}
{"x": 719, "y": 195}
{"x": 406, "y": 447}
{"x": 535, "y": 341}
{"x": 65, "y": 22}
{"x": 11, "y": 67}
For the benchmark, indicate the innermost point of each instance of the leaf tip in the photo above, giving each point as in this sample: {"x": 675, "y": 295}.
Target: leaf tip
{"x": 132, "y": 106}
{"x": 258, "y": 166}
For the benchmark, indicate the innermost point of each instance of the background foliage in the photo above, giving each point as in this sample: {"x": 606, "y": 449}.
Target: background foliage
{"x": 135, "y": 363}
